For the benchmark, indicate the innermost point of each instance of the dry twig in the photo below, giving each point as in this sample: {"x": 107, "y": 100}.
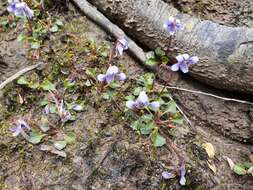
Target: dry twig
{"x": 18, "y": 74}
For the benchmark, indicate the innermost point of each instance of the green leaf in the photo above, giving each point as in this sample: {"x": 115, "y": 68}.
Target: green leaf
{"x": 151, "y": 61}
{"x": 148, "y": 80}
{"x": 157, "y": 139}
{"x": 165, "y": 60}
{"x": 115, "y": 84}
{"x": 21, "y": 37}
{"x": 104, "y": 54}
{"x": 146, "y": 130}
{"x": 160, "y": 141}
{"x": 5, "y": 24}
{"x": 91, "y": 72}
{"x": 47, "y": 85}
{"x": 59, "y": 145}
{"x": 130, "y": 97}
{"x": 171, "y": 107}
{"x": 52, "y": 109}
{"x": 108, "y": 95}
{"x": 246, "y": 165}
{"x": 144, "y": 124}
{"x": 54, "y": 28}
{"x": 137, "y": 91}
{"x": 34, "y": 85}
{"x": 35, "y": 137}
{"x": 23, "y": 80}
{"x": 70, "y": 137}
{"x": 178, "y": 119}
{"x": 68, "y": 84}
{"x": 35, "y": 45}
{"x": 159, "y": 52}
{"x": 239, "y": 170}
{"x": 44, "y": 124}
{"x": 105, "y": 96}
{"x": 135, "y": 125}
{"x": 43, "y": 102}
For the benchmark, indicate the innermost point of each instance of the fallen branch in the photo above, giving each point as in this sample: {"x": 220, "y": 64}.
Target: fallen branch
{"x": 93, "y": 14}
{"x": 18, "y": 74}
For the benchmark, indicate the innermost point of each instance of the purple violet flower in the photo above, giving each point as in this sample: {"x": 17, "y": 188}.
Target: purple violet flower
{"x": 183, "y": 61}
{"x": 167, "y": 175}
{"x": 121, "y": 45}
{"x": 20, "y": 126}
{"x": 173, "y": 25}
{"x": 62, "y": 112}
{"x": 182, "y": 175}
{"x": 19, "y": 9}
{"x": 12, "y": 5}
{"x": 112, "y": 73}
{"x": 141, "y": 102}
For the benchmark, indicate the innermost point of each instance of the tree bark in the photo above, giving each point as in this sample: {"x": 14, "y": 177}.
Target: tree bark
{"x": 226, "y": 53}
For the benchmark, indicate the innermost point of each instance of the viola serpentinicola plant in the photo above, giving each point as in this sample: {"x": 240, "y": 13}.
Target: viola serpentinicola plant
{"x": 169, "y": 175}
{"x": 19, "y": 9}
{"x": 173, "y": 25}
{"x": 19, "y": 128}
{"x": 183, "y": 62}
{"x": 111, "y": 74}
{"x": 121, "y": 45}
{"x": 64, "y": 114}
{"x": 141, "y": 102}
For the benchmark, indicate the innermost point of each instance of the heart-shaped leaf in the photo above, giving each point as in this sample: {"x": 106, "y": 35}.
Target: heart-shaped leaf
{"x": 47, "y": 85}
{"x": 59, "y": 145}
{"x": 35, "y": 137}
{"x": 171, "y": 107}
{"x": 23, "y": 80}
{"x": 159, "y": 141}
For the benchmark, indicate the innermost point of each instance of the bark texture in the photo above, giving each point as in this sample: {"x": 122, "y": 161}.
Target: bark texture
{"x": 226, "y": 53}
{"x": 229, "y": 119}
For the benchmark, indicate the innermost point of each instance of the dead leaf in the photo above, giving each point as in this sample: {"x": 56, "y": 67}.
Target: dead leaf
{"x": 250, "y": 171}
{"x": 21, "y": 100}
{"x": 209, "y": 149}
{"x": 230, "y": 162}
{"x": 251, "y": 157}
{"x": 53, "y": 150}
{"x": 212, "y": 167}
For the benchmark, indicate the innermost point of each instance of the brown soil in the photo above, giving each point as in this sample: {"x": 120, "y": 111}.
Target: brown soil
{"x": 108, "y": 154}
{"x": 227, "y": 12}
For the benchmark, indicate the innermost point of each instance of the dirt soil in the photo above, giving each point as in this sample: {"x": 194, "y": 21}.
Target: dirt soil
{"x": 107, "y": 154}
{"x": 227, "y": 12}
